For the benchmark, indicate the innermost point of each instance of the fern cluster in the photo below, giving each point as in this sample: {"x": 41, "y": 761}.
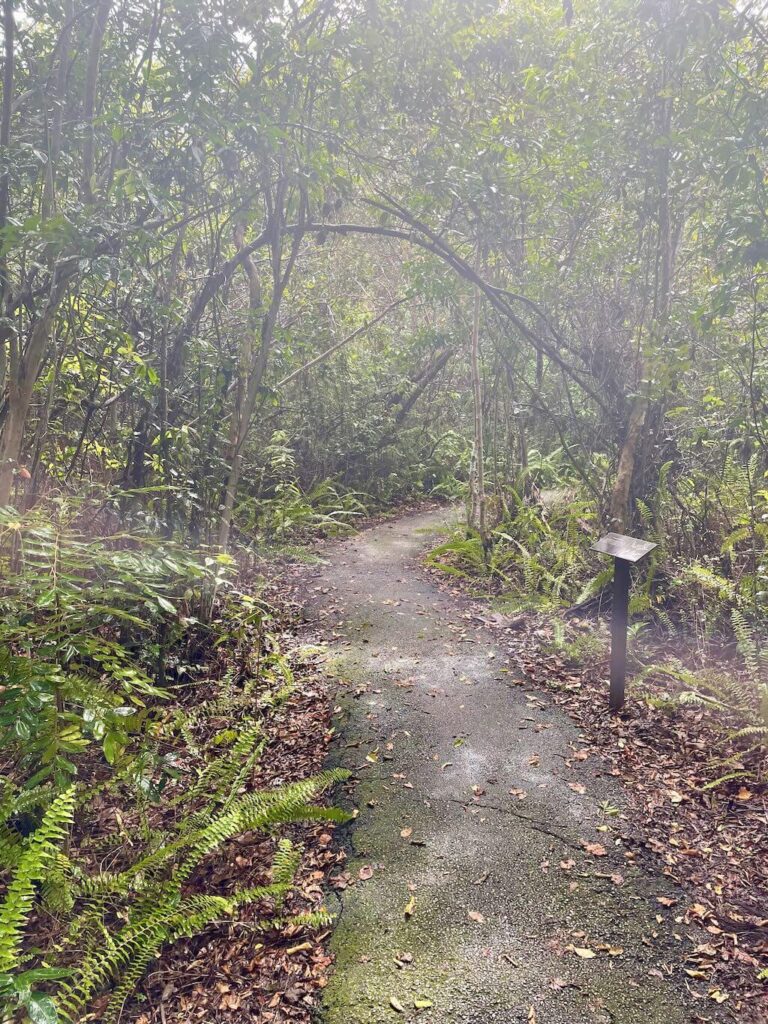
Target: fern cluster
{"x": 577, "y": 646}
{"x": 742, "y": 699}
{"x": 117, "y": 921}
{"x": 539, "y": 557}
{"x": 149, "y": 896}
{"x": 83, "y": 623}
{"x": 150, "y": 893}
{"x": 37, "y": 855}
{"x": 280, "y": 509}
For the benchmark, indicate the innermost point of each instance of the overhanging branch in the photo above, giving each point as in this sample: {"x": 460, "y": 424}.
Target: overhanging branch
{"x": 417, "y": 235}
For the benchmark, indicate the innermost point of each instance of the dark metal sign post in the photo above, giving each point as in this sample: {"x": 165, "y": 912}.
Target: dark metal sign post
{"x": 625, "y": 551}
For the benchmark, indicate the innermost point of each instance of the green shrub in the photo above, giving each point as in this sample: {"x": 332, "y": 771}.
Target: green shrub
{"x": 85, "y": 626}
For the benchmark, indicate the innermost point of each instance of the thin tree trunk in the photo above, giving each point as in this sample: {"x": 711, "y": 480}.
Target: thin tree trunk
{"x": 59, "y": 96}
{"x": 164, "y": 452}
{"x": 13, "y": 435}
{"x": 429, "y": 375}
{"x": 89, "y": 97}
{"x": 621, "y": 493}
{"x": 478, "y": 482}
{"x": 522, "y": 437}
{"x": 24, "y": 371}
{"x": 246, "y": 391}
{"x": 230, "y": 493}
{"x": 625, "y": 471}
{"x": 42, "y": 426}
{"x": 255, "y": 364}
{"x": 6, "y": 331}
{"x": 9, "y": 30}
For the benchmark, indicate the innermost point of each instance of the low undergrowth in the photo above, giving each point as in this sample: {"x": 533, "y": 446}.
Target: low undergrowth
{"x": 699, "y": 609}
{"x": 280, "y": 510}
{"x": 142, "y": 689}
{"x": 537, "y": 558}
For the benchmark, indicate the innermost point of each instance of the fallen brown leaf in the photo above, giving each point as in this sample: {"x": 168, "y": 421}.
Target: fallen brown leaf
{"x": 595, "y": 849}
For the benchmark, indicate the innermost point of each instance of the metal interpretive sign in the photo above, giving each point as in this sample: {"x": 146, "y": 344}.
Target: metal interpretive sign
{"x": 625, "y": 551}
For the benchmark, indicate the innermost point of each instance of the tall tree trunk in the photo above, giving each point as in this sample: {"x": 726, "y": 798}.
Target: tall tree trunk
{"x": 25, "y": 366}
{"x": 253, "y": 364}
{"x": 54, "y": 132}
{"x": 230, "y": 493}
{"x": 249, "y": 377}
{"x": 621, "y": 493}
{"x": 625, "y": 471}
{"x": 9, "y": 31}
{"x": 10, "y": 447}
{"x": 477, "y": 483}
{"x": 25, "y": 361}
{"x": 89, "y": 98}
{"x": 7, "y": 340}
{"x": 165, "y": 461}
{"x": 42, "y": 426}
{"x": 430, "y": 374}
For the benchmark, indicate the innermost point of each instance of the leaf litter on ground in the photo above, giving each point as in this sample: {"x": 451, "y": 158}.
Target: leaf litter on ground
{"x": 708, "y": 836}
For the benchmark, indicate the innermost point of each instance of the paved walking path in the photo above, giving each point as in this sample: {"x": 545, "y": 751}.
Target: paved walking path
{"x": 475, "y": 809}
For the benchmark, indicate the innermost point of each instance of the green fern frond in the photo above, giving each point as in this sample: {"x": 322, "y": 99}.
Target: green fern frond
{"x": 135, "y": 945}
{"x": 722, "y": 780}
{"x": 40, "y": 852}
{"x": 223, "y": 775}
{"x": 666, "y": 621}
{"x": 595, "y": 585}
{"x": 190, "y": 917}
{"x": 57, "y": 892}
{"x": 285, "y": 863}
{"x": 262, "y": 810}
{"x": 11, "y": 846}
{"x": 312, "y": 919}
{"x": 747, "y": 641}
{"x": 153, "y": 925}
{"x": 756, "y": 731}
{"x": 646, "y": 513}
{"x": 708, "y": 579}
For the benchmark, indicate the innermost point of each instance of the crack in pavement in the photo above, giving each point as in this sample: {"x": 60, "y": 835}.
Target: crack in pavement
{"x": 534, "y": 823}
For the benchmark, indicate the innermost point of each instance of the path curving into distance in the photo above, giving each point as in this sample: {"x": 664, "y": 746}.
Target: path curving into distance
{"x": 511, "y": 918}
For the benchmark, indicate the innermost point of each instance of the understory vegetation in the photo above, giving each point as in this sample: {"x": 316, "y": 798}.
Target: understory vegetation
{"x": 699, "y": 611}
{"x": 269, "y": 268}
{"x": 111, "y": 715}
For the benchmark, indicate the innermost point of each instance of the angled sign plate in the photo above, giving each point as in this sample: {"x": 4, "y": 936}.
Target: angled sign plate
{"x": 629, "y": 549}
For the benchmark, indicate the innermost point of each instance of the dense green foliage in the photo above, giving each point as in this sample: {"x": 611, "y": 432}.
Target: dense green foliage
{"x": 144, "y": 906}
{"x": 202, "y": 200}
{"x": 87, "y": 623}
{"x": 181, "y": 776}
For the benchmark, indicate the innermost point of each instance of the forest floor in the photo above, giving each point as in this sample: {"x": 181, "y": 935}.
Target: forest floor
{"x": 489, "y": 879}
